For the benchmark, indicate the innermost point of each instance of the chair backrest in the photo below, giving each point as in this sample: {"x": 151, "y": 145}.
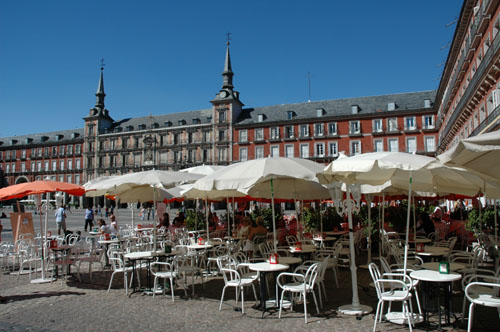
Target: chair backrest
{"x": 311, "y": 275}
{"x": 291, "y": 239}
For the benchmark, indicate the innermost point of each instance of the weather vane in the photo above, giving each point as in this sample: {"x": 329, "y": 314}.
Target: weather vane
{"x": 228, "y": 38}
{"x": 102, "y": 63}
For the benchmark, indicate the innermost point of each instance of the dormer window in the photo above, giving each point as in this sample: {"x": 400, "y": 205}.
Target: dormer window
{"x": 260, "y": 117}
{"x": 168, "y": 123}
{"x": 182, "y": 122}
{"x": 75, "y": 135}
{"x": 28, "y": 140}
{"x": 391, "y": 106}
{"x": 130, "y": 128}
{"x": 320, "y": 112}
{"x": 118, "y": 129}
{"x": 427, "y": 103}
{"x": 355, "y": 109}
{"x": 44, "y": 138}
{"x": 155, "y": 125}
{"x": 196, "y": 121}
{"x": 59, "y": 137}
{"x": 291, "y": 115}
{"x": 13, "y": 142}
{"x": 142, "y": 126}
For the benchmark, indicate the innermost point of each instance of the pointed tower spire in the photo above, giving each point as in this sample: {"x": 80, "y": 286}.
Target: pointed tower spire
{"x": 227, "y": 75}
{"x": 100, "y": 89}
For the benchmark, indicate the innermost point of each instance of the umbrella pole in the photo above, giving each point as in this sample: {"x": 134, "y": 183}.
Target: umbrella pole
{"x": 206, "y": 215}
{"x": 369, "y": 241}
{"x": 234, "y": 226}
{"x": 43, "y": 279}
{"x": 227, "y": 217}
{"x": 274, "y": 218}
{"x": 407, "y": 225}
{"x": 382, "y": 228}
{"x": 156, "y": 217}
{"x": 414, "y": 219}
{"x": 132, "y": 211}
{"x": 355, "y": 308}
{"x": 496, "y": 221}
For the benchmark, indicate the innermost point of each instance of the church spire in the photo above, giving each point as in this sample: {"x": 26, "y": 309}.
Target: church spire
{"x": 228, "y": 73}
{"x": 100, "y": 89}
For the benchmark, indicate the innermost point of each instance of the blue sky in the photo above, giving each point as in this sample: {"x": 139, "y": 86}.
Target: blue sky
{"x": 167, "y": 56}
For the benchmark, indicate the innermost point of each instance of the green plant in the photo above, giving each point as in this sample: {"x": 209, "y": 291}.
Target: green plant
{"x": 195, "y": 220}
{"x": 311, "y": 219}
{"x": 267, "y": 215}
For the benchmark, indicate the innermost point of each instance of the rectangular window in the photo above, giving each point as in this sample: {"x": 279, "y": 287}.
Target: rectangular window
{"x": 275, "y": 132}
{"x": 62, "y": 150}
{"x": 77, "y": 179}
{"x": 23, "y": 154}
{"x": 7, "y": 168}
{"x": 222, "y": 116}
{"x": 377, "y": 126}
{"x": 78, "y": 149}
{"x": 54, "y": 151}
{"x": 39, "y": 152}
{"x": 46, "y": 166}
{"x": 289, "y": 151}
{"x": 430, "y": 144}
{"x": 61, "y": 165}
{"x": 68, "y": 179}
{"x": 410, "y": 123}
{"x": 333, "y": 149}
{"x": 23, "y": 167}
{"x": 54, "y": 165}
{"x": 319, "y": 129}
{"x": 243, "y": 154}
{"x": 378, "y": 145}
{"x": 304, "y": 151}
{"x": 355, "y": 148}
{"x": 428, "y": 121}
{"x": 70, "y": 164}
{"x": 392, "y": 124}
{"x": 275, "y": 151}
{"x": 39, "y": 166}
{"x": 222, "y": 135}
{"x": 354, "y": 127}
{"x": 259, "y": 134}
{"x": 70, "y": 150}
{"x": 13, "y": 168}
{"x": 33, "y": 166}
{"x": 319, "y": 149}
{"x": 332, "y": 128}
{"x": 304, "y": 130}
{"x": 78, "y": 164}
{"x": 61, "y": 178}
{"x": 411, "y": 144}
{"x": 259, "y": 152}
{"x": 393, "y": 145}
{"x": 289, "y": 132}
{"x": 243, "y": 135}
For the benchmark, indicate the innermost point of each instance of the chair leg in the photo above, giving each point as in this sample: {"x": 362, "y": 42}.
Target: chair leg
{"x": 125, "y": 281}
{"x": 222, "y": 298}
{"x": 281, "y": 303}
{"x": 315, "y": 302}
{"x": 255, "y": 293}
{"x": 154, "y": 286}
{"x": 242, "y": 301}
{"x": 409, "y": 314}
{"x": 111, "y": 281}
{"x": 305, "y": 307}
{"x": 417, "y": 299}
{"x": 464, "y": 308}
{"x": 471, "y": 311}
{"x": 172, "y": 288}
{"x": 377, "y": 313}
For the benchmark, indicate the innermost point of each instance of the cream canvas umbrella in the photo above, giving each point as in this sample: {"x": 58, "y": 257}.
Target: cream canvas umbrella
{"x": 203, "y": 169}
{"x": 268, "y": 178}
{"x": 406, "y": 172}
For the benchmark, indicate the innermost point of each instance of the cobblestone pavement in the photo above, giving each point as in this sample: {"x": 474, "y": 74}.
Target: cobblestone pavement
{"x": 86, "y": 306}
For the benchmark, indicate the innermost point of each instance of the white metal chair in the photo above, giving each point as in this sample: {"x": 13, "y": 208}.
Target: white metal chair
{"x": 487, "y": 295}
{"x": 302, "y": 284}
{"x": 391, "y": 290}
{"x": 167, "y": 272}
{"x": 232, "y": 278}
{"x": 119, "y": 267}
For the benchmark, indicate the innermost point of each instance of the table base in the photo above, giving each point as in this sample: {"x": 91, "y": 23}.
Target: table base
{"x": 400, "y": 318}
{"x": 351, "y": 310}
{"x": 42, "y": 280}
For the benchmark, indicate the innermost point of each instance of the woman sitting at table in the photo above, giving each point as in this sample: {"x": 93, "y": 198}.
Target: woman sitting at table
{"x": 425, "y": 223}
{"x": 259, "y": 230}
{"x": 245, "y": 228}
{"x": 164, "y": 221}
{"x": 106, "y": 229}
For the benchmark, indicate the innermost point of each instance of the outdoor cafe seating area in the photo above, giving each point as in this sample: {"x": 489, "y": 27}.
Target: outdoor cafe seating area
{"x": 363, "y": 211}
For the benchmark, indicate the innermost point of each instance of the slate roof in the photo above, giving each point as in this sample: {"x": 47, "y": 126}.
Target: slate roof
{"x": 60, "y": 136}
{"x": 204, "y": 117}
{"x": 337, "y": 107}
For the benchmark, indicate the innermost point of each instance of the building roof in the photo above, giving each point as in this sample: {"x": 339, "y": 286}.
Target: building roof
{"x": 59, "y": 136}
{"x": 338, "y": 107}
{"x": 175, "y": 119}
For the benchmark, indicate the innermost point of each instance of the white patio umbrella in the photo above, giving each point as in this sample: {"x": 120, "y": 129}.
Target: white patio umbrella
{"x": 268, "y": 178}
{"x": 203, "y": 169}
{"x": 406, "y": 172}
{"x": 479, "y": 154}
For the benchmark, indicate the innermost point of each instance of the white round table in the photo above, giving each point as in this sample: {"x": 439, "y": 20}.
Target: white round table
{"x": 435, "y": 266}
{"x": 264, "y": 268}
{"x": 199, "y": 246}
{"x": 432, "y": 282}
{"x": 287, "y": 260}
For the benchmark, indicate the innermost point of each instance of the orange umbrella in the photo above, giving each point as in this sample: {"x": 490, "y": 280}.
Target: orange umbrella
{"x": 39, "y": 187}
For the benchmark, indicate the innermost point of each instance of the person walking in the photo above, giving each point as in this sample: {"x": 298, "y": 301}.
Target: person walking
{"x": 61, "y": 220}
{"x": 89, "y": 218}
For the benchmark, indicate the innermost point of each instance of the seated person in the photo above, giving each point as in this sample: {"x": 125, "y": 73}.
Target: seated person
{"x": 164, "y": 221}
{"x": 106, "y": 229}
{"x": 259, "y": 230}
{"x": 425, "y": 223}
{"x": 245, "y": 228}
{"x": 437, "y": 214}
